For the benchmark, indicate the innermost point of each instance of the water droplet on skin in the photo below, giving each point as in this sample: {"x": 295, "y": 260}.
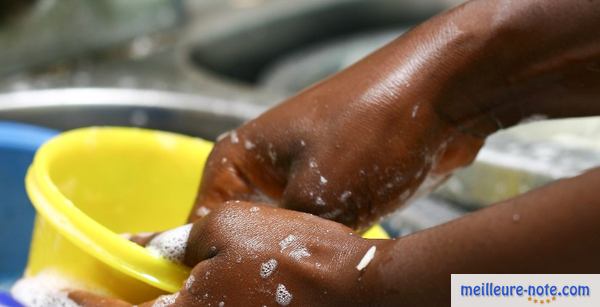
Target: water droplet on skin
{"x": 302, "y": 143}
{"x": 322, "y": 180}
{"x": 254, "y": 209}
{"x": 516, "y": 217}
{"x": 223, "y": 160}
{"x": 221, "y": 304}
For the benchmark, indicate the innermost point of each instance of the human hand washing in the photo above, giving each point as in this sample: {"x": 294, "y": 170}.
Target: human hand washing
{"x": 281, "y": 196}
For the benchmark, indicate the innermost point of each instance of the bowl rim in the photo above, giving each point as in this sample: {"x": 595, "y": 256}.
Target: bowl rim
{"x": 88, "y": 234}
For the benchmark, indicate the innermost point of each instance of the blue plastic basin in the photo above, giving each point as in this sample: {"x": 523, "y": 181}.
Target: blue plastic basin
{"x": 18, "y": 143}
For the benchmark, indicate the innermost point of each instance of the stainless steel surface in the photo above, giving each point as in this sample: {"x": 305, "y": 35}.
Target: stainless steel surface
{"x": 227, "y": 52}
{"x": 517, "y": 160}
{"x": 51, "y": 30}
{"x": 196, "y": 115}
{"x": 421, "y": 214}
{"x": 306, "y": 66}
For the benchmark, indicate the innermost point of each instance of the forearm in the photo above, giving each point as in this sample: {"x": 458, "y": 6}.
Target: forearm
{"x": 490, "y": 63}
{"x": 529, "y": 57}
{"x": 550, "y": 230}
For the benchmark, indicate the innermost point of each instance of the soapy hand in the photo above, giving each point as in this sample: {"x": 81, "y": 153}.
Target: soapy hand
{"x": 345, "y": 150}
{"x": 245, "y": 254}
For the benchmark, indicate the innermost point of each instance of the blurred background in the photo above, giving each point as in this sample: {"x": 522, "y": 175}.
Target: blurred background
{"x": 204, "y": 67}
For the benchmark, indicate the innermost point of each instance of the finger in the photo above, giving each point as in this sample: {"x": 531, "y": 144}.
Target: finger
{"x": 88, "y": 299}
{"x": 203, "y": 242}
{"x": 223, "y": 179}
{"x": 140, "y": 238}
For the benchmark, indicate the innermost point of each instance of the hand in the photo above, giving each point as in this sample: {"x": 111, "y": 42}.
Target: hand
{"x": 245, "y": 254}
{"x": 336, "y": 152}
{"x": 249, "y": 255}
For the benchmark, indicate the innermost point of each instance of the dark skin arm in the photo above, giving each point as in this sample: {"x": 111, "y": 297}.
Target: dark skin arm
{"x": 553, "y": 229}
{"x": 356, "y": 146}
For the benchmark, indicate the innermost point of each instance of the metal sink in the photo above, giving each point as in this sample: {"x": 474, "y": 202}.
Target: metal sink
{"x": 62, "y": 109}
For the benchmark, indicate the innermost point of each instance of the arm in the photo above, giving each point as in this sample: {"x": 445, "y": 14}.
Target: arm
{"x": 553, "y": 229}
{"x": 359, "y": 144}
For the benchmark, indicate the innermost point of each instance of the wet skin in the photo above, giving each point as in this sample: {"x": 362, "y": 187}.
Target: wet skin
{"x": 361, "y": 143}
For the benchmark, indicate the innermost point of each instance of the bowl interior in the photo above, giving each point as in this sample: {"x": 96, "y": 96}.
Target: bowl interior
{"x": 129, "y": 182}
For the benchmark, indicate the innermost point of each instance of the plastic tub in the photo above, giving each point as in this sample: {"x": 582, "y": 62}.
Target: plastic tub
{"x": 18, "y": 143}
{"x": 89, "y": 185}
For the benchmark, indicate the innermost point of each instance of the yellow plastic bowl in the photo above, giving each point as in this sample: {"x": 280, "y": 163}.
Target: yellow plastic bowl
{"x": 89, "y": 185}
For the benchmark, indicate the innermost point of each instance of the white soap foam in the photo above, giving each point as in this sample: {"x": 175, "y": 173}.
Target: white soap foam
{"x": 221, "y": 304}
{"x": 345, "y": 195}
{"x": 248, "y": 145}
{"x": 272, "y": 153}
{"x": 299, "y": 253}
{"x": 283, "y": 297}
{"x": 366, "y": 259}
{"x": 166, "y": 300}
{"x": 323, "y": 180}
{"x": 202, "y": 211}
{"x": 319, "y": 201}
{"x": 233, "y": 137}
{"x": 190, "y": 282}
{"x": 171, "y": 244}
{"x": 285, "y": 243}
{"x": 44, "y": 289}
{"x": 254, "y": 209}
{"x": 267, "y": 268}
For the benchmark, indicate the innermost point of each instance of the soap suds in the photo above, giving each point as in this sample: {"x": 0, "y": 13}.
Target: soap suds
{"x": 282, "y": 296}
{"x": 248, "y": 145}
{"x": 366, "y": 259}
{"x": 323, "y": 180}
{"x": 319, "y": 201}
{"x": 233, "y": 137}
{"x": 299, "y": 253}
{"x": 202, "y": 211}
{"x": 166, "y": 300}
{"x": 345, "y": 195}
{"x": 267, "y": 268}
{"x": 190, "y": 282}
{"x": 171, "y": 244}
{"x": 45, "y": 289}
{"x": 285, "y": 243}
